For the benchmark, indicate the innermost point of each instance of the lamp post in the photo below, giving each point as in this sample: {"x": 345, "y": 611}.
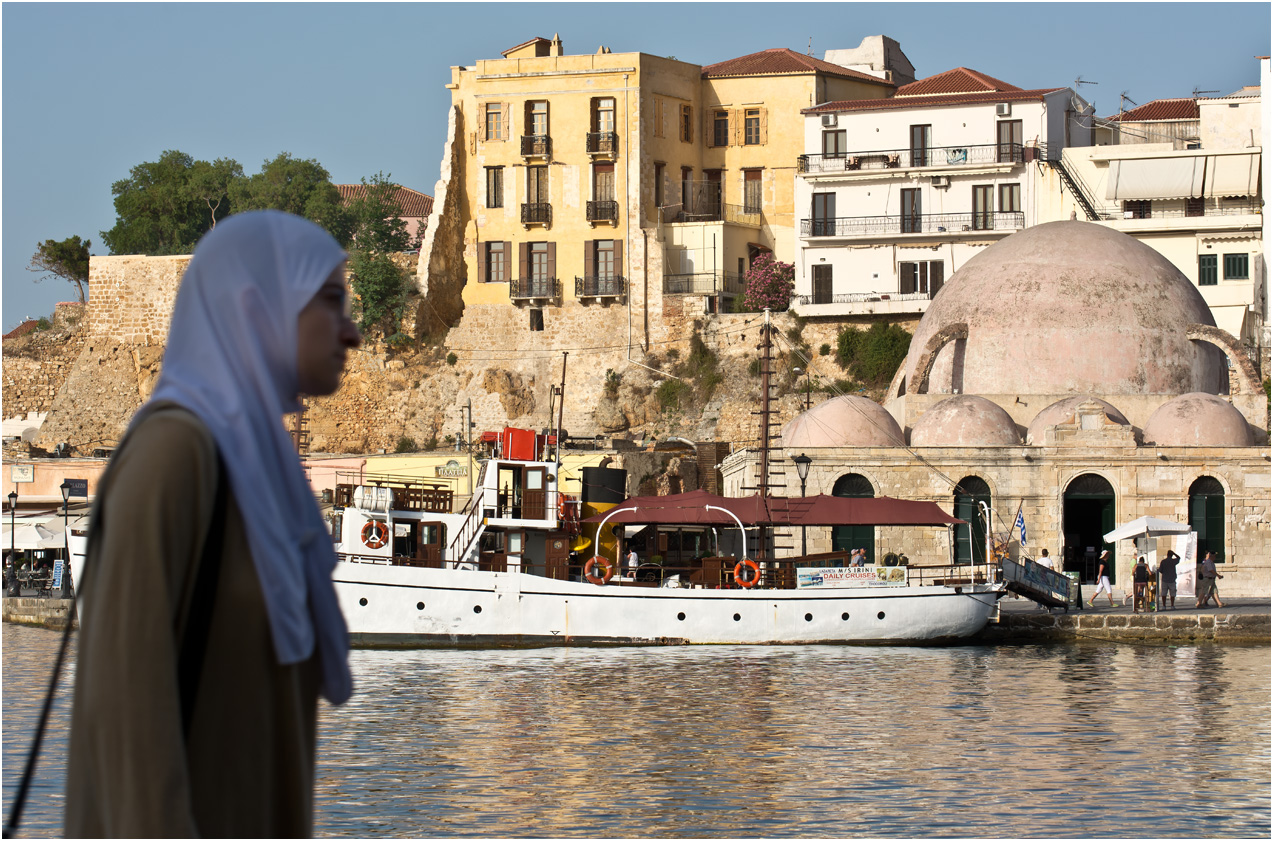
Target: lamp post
{"x": 65, "y": 487}
{"x": 797, "y": 371}
{"x": 802, "y": 471}
{"x": 11, "y": 573}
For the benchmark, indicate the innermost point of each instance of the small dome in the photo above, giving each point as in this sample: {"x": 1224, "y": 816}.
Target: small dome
{"x": 1197, "y": 420}
{"x": 965, "y": 420}
{"x": 846, "y": 421}
{"x": 1064, "y": 410}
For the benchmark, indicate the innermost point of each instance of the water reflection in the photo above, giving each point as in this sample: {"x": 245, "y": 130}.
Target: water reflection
{"x": 1031, "y": 741}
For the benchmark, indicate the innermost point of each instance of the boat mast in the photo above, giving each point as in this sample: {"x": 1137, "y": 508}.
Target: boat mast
{"x": 561, "y": 401}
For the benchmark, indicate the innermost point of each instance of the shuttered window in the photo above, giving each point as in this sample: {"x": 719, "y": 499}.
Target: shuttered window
{"x": 822, "y": 284}
{"x": 493, "y": 261}
{"x": 1207, "y": 270}
{"x": 752, "y": 127}
{"x": 494, "y": 121}
{"x": 721, "y": 128}
{"x": 1236, "y": 267}
{"x": 603, "y": 182}
{"x": 687, "y": 124}
{"x": 752, "y": 191}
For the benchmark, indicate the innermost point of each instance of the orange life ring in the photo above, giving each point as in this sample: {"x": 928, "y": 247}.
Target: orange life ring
{"x": 375, "y": 534}
{"x": 590, "y": 570}
{"x": 744, "y": 582}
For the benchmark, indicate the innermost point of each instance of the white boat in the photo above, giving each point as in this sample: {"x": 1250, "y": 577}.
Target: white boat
{"x": 502, "y": 572}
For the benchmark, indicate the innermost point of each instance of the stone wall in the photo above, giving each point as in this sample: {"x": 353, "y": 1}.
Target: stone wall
{"x": 37, "y": 364}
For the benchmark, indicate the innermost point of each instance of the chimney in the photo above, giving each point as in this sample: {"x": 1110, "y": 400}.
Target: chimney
{"x": 556, "y": 47}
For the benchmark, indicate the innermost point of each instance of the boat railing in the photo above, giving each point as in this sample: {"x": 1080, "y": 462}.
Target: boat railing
{"x": 407, "y": 494}
{"x": 947, "y": 575}
{"x": 469, "y": 529}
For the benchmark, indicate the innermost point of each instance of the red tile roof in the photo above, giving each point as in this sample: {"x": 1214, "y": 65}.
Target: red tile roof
{"x": 1160, "y": 109}
{"x": 959, "y": 80}
{"x": 782, "y": 61}
{"x": 22, "y": 329}
{"x": 895, "y": 102}
{"x": 413, "y": 203}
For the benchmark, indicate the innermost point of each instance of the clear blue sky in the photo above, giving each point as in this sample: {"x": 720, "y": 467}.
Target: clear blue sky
{"x": 91, "y": 90}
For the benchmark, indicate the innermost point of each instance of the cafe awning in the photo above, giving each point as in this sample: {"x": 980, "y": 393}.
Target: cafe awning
{"x": 1156, "y": 178}
{"x": 704, "y": 509}
{"x": 1233, "y": 175}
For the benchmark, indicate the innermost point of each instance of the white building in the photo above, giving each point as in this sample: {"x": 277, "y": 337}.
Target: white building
{"x": 895, "y": 194}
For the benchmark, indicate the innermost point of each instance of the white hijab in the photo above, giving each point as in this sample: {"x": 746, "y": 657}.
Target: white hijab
{"x": 231, "y": 360}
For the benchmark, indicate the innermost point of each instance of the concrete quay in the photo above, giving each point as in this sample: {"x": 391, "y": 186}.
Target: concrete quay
{"x": 31, "y": 610}
{"x": 1241, "y": 621}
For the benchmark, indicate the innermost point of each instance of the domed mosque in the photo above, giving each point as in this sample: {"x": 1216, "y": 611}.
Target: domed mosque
{"x": 1074, "y": 372}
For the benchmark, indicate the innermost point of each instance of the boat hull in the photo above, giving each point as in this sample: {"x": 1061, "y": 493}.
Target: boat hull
{"x": 390, "y": 606}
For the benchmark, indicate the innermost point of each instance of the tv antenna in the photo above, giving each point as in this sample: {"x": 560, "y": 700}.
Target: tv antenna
{"x": 1079, "y": 80}
{"x": 1123, "y": 95}
{"x": 1195, "y": 93}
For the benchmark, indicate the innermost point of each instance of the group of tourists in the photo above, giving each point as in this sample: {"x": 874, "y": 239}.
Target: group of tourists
{"x": 1159, "y": 586}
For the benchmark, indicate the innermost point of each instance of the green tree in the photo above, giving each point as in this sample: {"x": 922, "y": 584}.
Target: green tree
{"x": 67, "y": 259}
{"x": 157, "y": 210}
{"x": 302, "y": 187}
{"x": 210, "y": 184}
{"x": 381, "y": 289}
{"x": 376, "y": 217}
{"x": 872, "y": 355}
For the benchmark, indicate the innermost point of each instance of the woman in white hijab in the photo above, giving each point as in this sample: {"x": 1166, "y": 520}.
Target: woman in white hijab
{"x": 210, "y": 621}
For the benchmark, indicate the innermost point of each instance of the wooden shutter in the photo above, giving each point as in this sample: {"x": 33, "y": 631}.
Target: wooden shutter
{"x": 736, "y": 127}
{"x": 482, "y": 261}
{"x": 906, "y": 278}
{"x": 936, "y": 270}
{"x": 524, "y": 260}
{"x": 764, "y": 126}
{"x": 552, "y": 261}
{"x": 506, "y": 127}
{"x": 548, "y": 123}
{"x": 590, "y": 250}
{"x": 709, "y": 130}
{"x": 619, "y": 257}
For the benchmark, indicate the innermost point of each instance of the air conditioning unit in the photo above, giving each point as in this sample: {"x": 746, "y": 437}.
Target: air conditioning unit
{"x": 829, "y": 121}
{"x": 940, "y": 181}
{"x": 1003, "y": 109}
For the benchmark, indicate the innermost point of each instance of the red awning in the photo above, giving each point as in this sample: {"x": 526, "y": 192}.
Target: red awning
{"x": 822, "y": 510}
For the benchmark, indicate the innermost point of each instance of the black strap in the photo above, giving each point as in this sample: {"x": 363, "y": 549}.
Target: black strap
{"x": 194, "y": 644}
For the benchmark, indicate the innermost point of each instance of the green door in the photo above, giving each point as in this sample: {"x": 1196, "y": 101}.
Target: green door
{"x": 849, "y": 538}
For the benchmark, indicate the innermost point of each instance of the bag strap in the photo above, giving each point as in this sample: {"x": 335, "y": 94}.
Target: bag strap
{"x": 194, "y": 644}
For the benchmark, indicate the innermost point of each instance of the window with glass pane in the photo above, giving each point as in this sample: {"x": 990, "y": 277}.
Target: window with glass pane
{"x": 752, "y": 127}
{"x": 921, "y": 137}
{"x": 495, "y": 186}
{"x": 1236, "y": 267}
{"x": 834, "y": 143}
{"x": 539, "y": 118}
{"x": 1008, "y": 136}
{"x": 604, "y": 257}
{"x": 495, "y": 121}
{"x": 911, "y": 214}
{"x": 982, "y": 211}
{"x": 537, "y": 184}
{"x": 1137, "y": 209}
{"x": 1010, "y": 198}
{"x": 1207, "y": 270}
{"x": 539, "y": 262}
{"x": 687, "y": 123}
{"x": 495, "y": 263}
{"x": 823, "y": 215}
{"x": 604, "y": 119}
{"x": 822, "y": 284}
{"x": 721, "y": 128}
{"x": 752, "y": 191}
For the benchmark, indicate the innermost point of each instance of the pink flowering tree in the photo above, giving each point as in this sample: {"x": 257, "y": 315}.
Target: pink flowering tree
{"x": 769, "y": 283}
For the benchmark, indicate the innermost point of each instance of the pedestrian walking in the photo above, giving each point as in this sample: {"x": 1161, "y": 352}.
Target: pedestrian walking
{"x": 1168, "y": 580}
{"x": 1140, "y": 585}
{"x": 1207, "y": 582}
{"x": 1103, "y": 579}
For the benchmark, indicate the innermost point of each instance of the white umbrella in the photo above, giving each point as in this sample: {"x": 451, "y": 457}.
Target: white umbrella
{"x": 1146, "y": 527}
{"x": 34, "y": 536}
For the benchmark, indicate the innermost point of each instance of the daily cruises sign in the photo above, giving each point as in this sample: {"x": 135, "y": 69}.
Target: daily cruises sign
{"x": 841, "y": 577}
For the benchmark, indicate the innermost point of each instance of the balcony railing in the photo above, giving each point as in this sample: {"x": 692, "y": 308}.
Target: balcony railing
{"x": 704, "y": 283}
{"x": 599, "y": 287}
{"x": 601, "y": 143}
{"x": 1178, "y": 209}
{"x": 537, "y": 213}
{"x": 535, "y": 287}
{"x": 929, "y": 223}
{"x": 602, "y": 211}
{"x": 932, "y": 156}
{"x": 713, "y": 212}
{"x": 536, "y": 145}
{"x": 861, "y": 297}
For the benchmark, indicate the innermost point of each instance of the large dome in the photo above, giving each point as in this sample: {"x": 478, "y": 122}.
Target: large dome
{"x": 846, "y": 421}
{"x": 1197, "y": 420}
{"x": 965, "y": 420}
{"x": 1067, "y": 308}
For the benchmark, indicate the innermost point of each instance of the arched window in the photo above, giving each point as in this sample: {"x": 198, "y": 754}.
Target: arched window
{"x": 970, "y": 539}
{"x": 848, "y": 538}
{"x": 1207, "y": 516}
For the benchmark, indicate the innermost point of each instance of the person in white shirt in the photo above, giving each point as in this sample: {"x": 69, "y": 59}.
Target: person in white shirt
{"x": 1044, "y": 560}
{"x": 632, "y": 559}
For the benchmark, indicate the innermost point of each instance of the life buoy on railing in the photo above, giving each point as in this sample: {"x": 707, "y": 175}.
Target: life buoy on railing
{"x": 747, "y": 583}
{"x": 590, "y": 570}
{"x": 375, "y": 534}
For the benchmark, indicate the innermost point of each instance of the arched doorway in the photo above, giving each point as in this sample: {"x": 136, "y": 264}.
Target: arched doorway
{"x": 1207, "y": 516}
{"x": 970, "y": 539}
{"x": 1088, "y": 512}
{"x": 848, "y": 538}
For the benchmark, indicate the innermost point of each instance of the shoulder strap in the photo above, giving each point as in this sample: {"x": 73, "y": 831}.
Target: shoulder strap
{"x": 194, "y": 645}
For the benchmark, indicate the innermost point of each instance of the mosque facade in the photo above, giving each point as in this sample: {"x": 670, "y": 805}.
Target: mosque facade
{"x": 1068, "y": 372}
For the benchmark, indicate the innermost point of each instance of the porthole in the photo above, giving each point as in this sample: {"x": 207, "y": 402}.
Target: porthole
{"x": 737, "y": 617}
{"x": 477, "y": 608}
{"x": 681, "y": 617}
{"x": 880, "y": 615}
{"x": 363, "y": 602}
{"x": 420, "y": 605}
{"x": 809, "y": 617}
{"x": 844, "y": 617}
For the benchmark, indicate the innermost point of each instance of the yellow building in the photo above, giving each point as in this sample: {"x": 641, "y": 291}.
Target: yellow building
{"x": 625, "y": 178}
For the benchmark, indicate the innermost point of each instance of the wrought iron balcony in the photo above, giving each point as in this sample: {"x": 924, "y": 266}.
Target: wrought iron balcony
{"x": 928, "y": 223}
{"x": 860, "y": 297}
{"x": 523, "y": 288}
{"x": 602, "y": 143}
{"x": 602, "y": 211}
{"x": 703, "y": 283}
{"x": 599, "y": 287}
{"x": 536, "y": 145}
{"x": 537, "y": 213}
{"x": 932, "y": 156}
{"x": 713, "y": 212}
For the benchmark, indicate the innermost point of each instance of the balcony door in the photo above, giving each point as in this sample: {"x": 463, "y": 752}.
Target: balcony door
{"x": 911, "y": 212}
{"x": 921, "y": 140}
{"x": 983, "y": 211}
{"x": 1008, "y": 140}
{"x": 712, "y": 192}
{"x": 823, "y": 215}
{"x": 822, "y": 284}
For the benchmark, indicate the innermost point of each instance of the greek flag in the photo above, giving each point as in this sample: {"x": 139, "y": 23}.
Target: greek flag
{"x": 1021, "y": 525}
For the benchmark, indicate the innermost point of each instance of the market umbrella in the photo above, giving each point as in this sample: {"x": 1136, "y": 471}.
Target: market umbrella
{"x": 34, "y": 536}
{"x": 1146, "y": 527}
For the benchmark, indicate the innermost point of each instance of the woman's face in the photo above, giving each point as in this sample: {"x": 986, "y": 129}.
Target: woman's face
{"x": 324, "y": 332}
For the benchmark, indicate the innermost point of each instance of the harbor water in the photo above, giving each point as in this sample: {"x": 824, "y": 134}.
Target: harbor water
{"x": 1087, "y": 740}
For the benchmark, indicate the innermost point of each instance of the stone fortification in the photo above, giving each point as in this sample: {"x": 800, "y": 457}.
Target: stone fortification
{"x": 37, "y": 364}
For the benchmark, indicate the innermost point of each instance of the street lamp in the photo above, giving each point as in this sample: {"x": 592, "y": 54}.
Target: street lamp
{"x": 797, "y": 371}
{"x": 65, "y": 487}
{"x": 802, "y": 471}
